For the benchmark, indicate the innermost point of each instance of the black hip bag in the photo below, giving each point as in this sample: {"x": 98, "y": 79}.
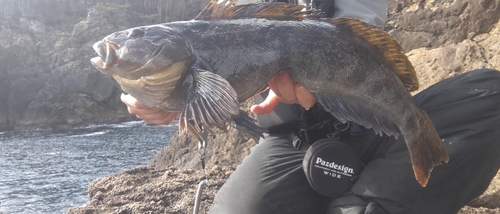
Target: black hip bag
{"x": 331, "y": 167}
{"x": 330, "y": 164}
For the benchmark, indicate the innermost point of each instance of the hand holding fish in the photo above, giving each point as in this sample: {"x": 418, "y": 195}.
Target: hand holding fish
{"x": 152, "y": 116}
{"x": 283, "y": 89}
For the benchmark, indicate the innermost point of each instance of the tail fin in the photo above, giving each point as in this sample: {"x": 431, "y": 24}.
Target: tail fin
{"x": 427, "y": 150}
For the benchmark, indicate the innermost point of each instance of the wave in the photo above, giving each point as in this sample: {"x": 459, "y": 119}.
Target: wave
{"x": 128, "y": 124}
{"x": 89, "y": 134}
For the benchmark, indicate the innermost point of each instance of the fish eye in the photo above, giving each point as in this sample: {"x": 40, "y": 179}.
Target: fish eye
{"x": 136, "y": 33}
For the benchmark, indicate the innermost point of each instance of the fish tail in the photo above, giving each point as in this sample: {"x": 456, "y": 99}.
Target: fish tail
{"x": 427, "y": 150}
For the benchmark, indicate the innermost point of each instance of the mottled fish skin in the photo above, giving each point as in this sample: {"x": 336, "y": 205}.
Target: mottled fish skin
{"x": 162, "y": 65}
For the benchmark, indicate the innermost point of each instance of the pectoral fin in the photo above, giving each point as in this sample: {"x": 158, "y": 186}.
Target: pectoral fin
{"x": 211, "y": 102}
{"x": 345, "y": 109}
{"x": 247, "y": 126}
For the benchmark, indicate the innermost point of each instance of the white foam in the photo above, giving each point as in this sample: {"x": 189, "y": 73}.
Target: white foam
{"x": 90, "y": 134}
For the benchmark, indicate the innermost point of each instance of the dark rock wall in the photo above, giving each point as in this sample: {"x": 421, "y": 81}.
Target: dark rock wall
{"x": 46, "y": 79}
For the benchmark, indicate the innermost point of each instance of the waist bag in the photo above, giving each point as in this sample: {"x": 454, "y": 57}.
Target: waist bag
{"x": 331, "y": 167}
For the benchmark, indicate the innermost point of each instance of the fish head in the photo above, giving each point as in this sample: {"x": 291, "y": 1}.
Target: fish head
{"x": 147, "y": 62}
{"x": 140, "y": 51}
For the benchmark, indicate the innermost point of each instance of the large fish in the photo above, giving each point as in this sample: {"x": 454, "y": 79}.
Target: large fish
{"x": 205, "y": 67}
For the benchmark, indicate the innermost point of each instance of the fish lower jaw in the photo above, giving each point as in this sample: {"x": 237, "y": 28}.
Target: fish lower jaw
{"x": 99, "y": 64}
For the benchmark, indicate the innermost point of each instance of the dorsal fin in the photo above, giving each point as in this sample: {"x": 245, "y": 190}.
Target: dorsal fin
{"x": 225, "y": 9}
{"x": 391, "y": 49}
{"x": 393, "y": 52}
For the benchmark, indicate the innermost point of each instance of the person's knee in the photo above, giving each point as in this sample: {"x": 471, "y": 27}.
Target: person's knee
{"x": 486, "y": 72}
{"x": 482, "y": 78}
{"x": 353, "y": 204}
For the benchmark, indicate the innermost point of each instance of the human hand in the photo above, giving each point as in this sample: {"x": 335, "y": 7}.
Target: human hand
{"x": 284, "y": 90}
{"x": 153, "y": 116}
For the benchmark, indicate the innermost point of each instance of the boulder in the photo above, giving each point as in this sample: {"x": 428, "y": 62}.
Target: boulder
{"x": 432, "y": 23}
{"x": 434, "y": 65}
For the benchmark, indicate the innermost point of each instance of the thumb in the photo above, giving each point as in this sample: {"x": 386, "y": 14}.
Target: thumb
{"x": 268, "y": 105}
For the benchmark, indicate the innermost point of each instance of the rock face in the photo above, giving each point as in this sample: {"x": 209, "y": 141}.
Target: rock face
{"x": 431, "y": 23}
{"x": 444, "y": 38}
{"x": 46, "y": 79}
{"x": 151, "y": 191}
{"x": 478, "y": 52}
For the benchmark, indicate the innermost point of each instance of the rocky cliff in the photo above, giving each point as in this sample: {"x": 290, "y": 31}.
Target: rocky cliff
{"x": 446, "y": 38}
{"x": 46, "y": 79}
{"x": 443, "y": 38}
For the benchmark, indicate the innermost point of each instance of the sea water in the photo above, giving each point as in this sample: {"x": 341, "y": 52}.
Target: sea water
{"x": 49, "y": 171}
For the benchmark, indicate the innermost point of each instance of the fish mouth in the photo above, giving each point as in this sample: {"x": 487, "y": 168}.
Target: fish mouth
{"x": 107, "y": 57}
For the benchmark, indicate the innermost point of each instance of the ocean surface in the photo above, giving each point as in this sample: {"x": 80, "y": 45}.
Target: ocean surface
{"x": 49, "y": 171}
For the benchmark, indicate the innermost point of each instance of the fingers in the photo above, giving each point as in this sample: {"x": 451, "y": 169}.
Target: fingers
{"x": 290, "y": 92}
{"x": 284, "y": 87}
{"x": 282, "y": 90}
{"x": 268, "y": 105}
{"x": 305, "y": 97}
{"x": 161, "y": 119}
{"x": 149, "y": 115}
{"x": 132, "y": 102}
{"x": 286, "y": 91}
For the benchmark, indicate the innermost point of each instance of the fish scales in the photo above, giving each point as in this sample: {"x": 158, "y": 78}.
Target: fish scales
{"x": 263, "y": 48}
{"x": 207, "y": 66}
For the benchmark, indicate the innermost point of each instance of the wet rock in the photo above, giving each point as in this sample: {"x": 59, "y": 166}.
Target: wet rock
{"x": 148, "y": 190}
{"x": 4, "y": 122}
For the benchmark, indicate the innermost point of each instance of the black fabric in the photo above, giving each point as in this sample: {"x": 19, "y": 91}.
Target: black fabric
{"x": 278, "y": 120}
{"x": 352, "y": 204}
{"x": 316, "y": 124}
{"x": 465, "y": 111}
{"x": 325, "y": 6}
{"x": 270, "y": 180}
